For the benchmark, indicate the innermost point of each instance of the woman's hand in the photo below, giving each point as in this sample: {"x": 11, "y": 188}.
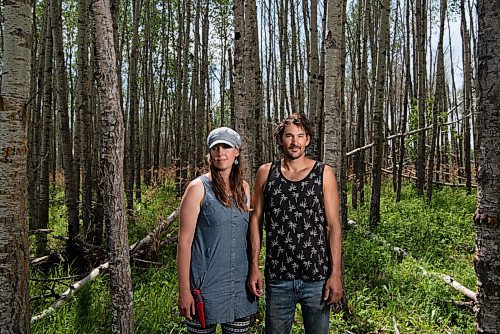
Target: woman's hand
{"x": 186, "y": 305}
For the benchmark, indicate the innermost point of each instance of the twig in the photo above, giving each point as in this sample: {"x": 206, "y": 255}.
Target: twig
{"x": 49, "y": 295}
{"x": 57, "y": 279}
{"x": 40, "y": 231}
{"x": 396, "y": 330}
{"x": 147, "y": 262}
{"x": 38, "y": 260}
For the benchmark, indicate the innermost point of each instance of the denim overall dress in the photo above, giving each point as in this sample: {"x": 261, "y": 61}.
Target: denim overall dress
{"x": 219, "y": 260}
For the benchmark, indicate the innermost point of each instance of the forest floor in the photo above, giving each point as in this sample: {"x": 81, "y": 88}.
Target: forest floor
{"x": 386, "y": 291}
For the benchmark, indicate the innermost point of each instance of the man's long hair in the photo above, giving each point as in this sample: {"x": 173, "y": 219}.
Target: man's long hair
{"x": 235, "y": 184}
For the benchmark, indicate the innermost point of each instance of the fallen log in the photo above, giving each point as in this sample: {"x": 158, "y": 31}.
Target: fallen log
{"x": 71, "y": 291}
{"x": 154, "y": 235}
{"x": 456, "y": 285}
{"x": 134, "y": 249}
{"x": 446, "y": 278}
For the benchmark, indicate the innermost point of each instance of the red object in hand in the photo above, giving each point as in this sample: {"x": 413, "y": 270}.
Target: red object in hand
{"x": 200, "y": 307}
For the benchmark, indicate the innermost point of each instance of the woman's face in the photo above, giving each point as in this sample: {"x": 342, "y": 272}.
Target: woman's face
{"x": 223, "y": 156}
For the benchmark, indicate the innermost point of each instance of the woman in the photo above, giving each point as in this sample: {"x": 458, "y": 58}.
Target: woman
{"x": 212, "y": 249}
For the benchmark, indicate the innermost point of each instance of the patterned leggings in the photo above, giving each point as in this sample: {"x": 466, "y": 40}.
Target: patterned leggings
{"x": 239, "y": 326}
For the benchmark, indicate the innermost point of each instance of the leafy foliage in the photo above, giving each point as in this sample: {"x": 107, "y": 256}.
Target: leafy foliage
{"x": 382, "y": 287}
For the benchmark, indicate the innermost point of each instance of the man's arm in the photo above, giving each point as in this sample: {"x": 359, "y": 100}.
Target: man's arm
{"x": 333, "y": 288}
{"x": 255, "y": 281}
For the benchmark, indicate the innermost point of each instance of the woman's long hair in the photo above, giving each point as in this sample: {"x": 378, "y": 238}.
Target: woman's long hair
{"x": 235, "y": 184}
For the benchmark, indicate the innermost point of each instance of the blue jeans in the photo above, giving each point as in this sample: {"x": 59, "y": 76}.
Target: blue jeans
{"x": 281, "y": 298}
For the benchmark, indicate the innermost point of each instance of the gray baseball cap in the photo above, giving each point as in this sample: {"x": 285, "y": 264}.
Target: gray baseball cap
{"x": 224, "y": 135}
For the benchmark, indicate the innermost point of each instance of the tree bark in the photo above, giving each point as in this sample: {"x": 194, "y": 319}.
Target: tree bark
{"x": 335, "y": 116}
{"x": 313, "y": 76}
{"x": 254, "y": 97}
{"x": 111, "y": 171}
{"x": 359, "y": 158}
{"x": 438, "y": 100}
{"x": 70, "y": 174}
{"x": 421, "y": 29}
{"x": 378, "y": 120}
{"x": 83, "y": 108}
{"x": 133, "y": 104}
{"x": 43, "y": 199}
{"x": 467, "y": 96}
{"x": 487, "y": 215}
{"x": 14, "y": 256}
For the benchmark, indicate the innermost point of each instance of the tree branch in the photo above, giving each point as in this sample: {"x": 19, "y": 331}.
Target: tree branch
{"x": 134, "y": 249}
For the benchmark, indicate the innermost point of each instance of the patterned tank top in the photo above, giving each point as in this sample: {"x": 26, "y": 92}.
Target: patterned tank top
{"x": 295, "y": 226}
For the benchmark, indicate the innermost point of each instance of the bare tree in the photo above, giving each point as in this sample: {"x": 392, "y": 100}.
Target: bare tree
{"x": 335, "y": 118}
{"x": 47, "y": 121}
{"x": 14, "y": 312}
{"x": 111, "y": 170}
{"x": 70, "y": 174}
{"x": 439, "y": 99}
{"x": 420, "y": 68}
{"x": 133, "y": 104}
{"x": 359, "y": 158}
{"x": 467, "y": 95}
{"x": 378, "y": 120}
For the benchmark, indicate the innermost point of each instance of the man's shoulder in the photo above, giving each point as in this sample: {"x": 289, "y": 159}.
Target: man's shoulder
{"x": 265, "y": 167}
{"x": 263, "y": 172}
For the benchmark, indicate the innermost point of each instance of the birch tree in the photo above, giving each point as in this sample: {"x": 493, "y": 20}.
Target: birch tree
{"x": 14, "y": 313}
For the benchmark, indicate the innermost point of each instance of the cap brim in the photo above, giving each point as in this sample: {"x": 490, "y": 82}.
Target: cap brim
{"x": 221, "y": 141}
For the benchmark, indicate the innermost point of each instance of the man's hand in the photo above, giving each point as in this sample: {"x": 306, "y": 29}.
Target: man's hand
{"x": 186, "y": 305}
{"x": 255, "y": 282}
{"x": 333, "y": 290}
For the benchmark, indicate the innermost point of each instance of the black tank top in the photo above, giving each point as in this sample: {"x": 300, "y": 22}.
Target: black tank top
{"x": 296, "y": 245}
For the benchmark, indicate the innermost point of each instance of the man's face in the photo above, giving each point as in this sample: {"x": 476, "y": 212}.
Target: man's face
{"x": 294, "y": 141}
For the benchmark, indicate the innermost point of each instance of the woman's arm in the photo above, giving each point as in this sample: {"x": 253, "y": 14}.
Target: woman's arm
{"x": 189, "y": 210}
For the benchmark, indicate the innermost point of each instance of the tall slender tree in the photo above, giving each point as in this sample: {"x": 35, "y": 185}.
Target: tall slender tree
{"x": 253, "y": 129}
{"x": 438, "y": 99}
{"x": 133, "y": 104}
{"x": 14, "y": 256}
{"x": 335, "y": 116}
{"x": 70, "y": 174}
{"x": 313, "y": 75}
{"x": 359, "y": 158}
{"x": 378, "y": 121}
{"x": 467, "y": 96}
{"x": 47, "y": 121}
{"x": 487, "y": 216}
{"x": 83, "y": 109}
{"x": 421, "y": 71}
{"x": 111, "y": 170}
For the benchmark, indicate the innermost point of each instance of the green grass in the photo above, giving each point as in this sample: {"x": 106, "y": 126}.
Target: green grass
{"x": 381, "y": 286}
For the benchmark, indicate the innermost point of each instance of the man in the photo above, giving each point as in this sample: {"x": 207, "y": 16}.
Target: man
{"x": 298, "y": 197}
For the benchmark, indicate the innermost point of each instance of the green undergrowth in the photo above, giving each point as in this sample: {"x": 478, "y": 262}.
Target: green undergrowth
{"x": 384, "y": 289}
